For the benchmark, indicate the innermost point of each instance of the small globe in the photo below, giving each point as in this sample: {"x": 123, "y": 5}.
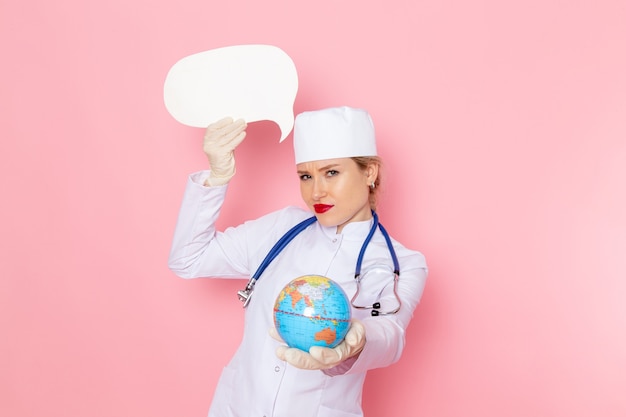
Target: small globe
{"x": 312, "y": 311}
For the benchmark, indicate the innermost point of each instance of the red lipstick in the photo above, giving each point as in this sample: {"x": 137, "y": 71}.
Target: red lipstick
{"x": 322, "y": 208}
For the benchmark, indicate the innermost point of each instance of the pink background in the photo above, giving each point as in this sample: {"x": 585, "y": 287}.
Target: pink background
{"x": 503, "y": 128}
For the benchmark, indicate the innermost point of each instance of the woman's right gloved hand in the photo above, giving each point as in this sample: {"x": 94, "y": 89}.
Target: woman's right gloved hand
{"x": 220, "y": 140}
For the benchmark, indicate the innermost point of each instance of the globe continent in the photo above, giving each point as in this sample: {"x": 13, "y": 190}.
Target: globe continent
{"x": 312, "y": 311}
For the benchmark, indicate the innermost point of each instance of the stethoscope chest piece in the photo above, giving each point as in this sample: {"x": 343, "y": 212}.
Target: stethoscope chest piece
{"x": 246, "y": 294}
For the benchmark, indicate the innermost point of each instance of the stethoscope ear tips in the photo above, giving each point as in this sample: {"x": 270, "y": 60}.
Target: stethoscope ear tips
{"x": 375, "y": 308}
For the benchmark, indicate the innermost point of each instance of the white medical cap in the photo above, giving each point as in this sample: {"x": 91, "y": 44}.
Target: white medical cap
{"x": 338, "y": 132}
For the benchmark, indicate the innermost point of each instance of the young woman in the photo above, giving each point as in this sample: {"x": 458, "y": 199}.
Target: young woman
{"x": 338, "y": 167}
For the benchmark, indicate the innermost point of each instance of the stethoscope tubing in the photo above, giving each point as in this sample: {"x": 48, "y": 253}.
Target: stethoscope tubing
{"x": 245, "y": 294}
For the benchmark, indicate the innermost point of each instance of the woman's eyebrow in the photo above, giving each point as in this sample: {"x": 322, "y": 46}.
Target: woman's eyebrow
{"x": 324, "y": 168}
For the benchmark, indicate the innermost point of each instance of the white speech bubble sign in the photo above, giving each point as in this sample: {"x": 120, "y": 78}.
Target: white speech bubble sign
{"x": 252, "y": 82}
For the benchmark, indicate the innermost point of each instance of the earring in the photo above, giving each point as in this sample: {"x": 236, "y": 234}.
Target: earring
{"x": 372, "y": 185}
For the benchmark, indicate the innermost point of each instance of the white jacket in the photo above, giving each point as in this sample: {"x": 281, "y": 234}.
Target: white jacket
{"x": 256, "y": 383}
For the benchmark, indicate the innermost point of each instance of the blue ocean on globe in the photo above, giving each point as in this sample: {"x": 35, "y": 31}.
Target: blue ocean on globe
{"x": 312, "y": 311}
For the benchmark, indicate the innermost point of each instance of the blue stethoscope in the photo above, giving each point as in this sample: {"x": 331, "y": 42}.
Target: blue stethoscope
{"x": 245, "y": 294}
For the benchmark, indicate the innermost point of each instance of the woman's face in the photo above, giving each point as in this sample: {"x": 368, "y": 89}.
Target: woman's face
{"x": 336, "y": 190}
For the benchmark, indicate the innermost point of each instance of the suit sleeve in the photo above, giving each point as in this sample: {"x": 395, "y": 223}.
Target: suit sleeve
{"x": 385, "y": 335}
{"x": 198, "y": 250}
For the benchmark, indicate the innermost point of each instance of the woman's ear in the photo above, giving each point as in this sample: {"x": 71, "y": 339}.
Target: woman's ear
{"x": 372, "y": 172}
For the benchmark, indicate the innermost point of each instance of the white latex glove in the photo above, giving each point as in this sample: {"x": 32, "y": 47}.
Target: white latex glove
{"x": 220, "y": 140}
{"x": 319, "y": 357}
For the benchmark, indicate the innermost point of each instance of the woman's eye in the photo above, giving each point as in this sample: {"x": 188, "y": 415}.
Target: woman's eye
{"x": 331, "y": 173}
{"x": 304, "y": 177}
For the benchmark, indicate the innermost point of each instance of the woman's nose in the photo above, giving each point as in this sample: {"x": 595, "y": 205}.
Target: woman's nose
{"x": 319, "y": 189}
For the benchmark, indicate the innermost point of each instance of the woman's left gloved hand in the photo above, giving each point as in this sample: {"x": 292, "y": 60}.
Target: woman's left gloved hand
{"x": 319, "y": 357}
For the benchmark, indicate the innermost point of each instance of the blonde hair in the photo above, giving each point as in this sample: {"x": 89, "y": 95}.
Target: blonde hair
{"x": 363, "y": 162}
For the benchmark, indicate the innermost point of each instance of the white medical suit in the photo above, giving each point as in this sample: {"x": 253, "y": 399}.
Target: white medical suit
{"x": 256, "y": 383}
